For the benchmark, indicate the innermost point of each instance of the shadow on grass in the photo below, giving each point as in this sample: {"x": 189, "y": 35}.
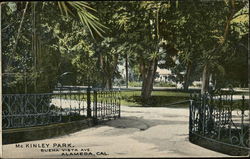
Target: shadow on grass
{"x": 158, "y": 101}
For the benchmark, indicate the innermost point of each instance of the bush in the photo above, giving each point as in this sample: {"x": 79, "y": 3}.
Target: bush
{"x": 164, "y": 84}
{"x": 158, "y": 98}
{"x": 135, "y": 84}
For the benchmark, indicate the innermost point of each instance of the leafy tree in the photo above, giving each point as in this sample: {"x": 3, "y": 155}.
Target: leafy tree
{"x": 205, "y": 44}
{"x": 146, "y": 35}
{"x": 21, "y": 48}
{"x": 138, "y": 20}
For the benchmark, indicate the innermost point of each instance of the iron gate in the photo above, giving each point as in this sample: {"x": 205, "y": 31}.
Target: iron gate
{"x": 217, "y": 117}
{"x": 63, "y": 105}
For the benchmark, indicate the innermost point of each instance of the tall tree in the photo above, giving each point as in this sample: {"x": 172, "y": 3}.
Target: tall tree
{"x": 20, "y": 52}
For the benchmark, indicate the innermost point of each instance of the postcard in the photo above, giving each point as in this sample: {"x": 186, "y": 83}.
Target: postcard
{"x": 124, "y": 79}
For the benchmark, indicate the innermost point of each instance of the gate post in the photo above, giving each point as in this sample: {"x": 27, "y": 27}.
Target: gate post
{"x": 119, "y": 97}
{"x": 190, "y": 115}
{"x": 88, "y": 102}
{"x": 95, "y": 107}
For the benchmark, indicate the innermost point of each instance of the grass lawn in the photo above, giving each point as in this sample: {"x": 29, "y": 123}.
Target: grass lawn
{"x": 241, "y": 93}
{"x": 174, "y": 99}
{"x": 133, "y": 98}
{"x": 158, "y": 99}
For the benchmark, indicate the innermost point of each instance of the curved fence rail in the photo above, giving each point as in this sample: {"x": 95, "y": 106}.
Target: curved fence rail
{"x": 26, "y": 110}
{"x": 220, "y": 118}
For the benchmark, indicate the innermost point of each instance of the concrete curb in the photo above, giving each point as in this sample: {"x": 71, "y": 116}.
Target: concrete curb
{"x": 44, "y": 132}
{"x": 218, "y": 146}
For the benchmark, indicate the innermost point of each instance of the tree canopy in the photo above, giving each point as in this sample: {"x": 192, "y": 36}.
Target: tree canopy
{"x": 205, "y": 40}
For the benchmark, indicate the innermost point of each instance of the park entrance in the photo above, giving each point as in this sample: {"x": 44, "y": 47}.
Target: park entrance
{"x": 61, "y": 60}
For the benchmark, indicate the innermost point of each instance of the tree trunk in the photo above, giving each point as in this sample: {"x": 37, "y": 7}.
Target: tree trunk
{"x": 148, "y": 80}
{"x": 34, "y": 44}
{"x": 187, "y": 77}
{"x": 1, "y": 75}
{"x": 109, "y": 84}
{"x": 126, "y": 68}
{"x": 10, "y": 61}
{"x": 142, "y": 70}
{"x": 110, "y": 73}
{"x": 248, "y": 71}
{"x": 18, "y": 33}
{"x": 20, "y": 27}
{"x": 205, "y": 80}
{"x": 102, "y": 68}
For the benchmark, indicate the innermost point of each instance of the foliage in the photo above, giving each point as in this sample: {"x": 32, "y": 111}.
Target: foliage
{"x": 208, "y": 42}
{"x": 158, "y": 99}
{"x": 82, "y": 10}
{"x": 42, "y": 30}
{"x": 164, "y": 84}
{"x": 43, "y": 40}
{"x": 135, "y": 84}
{"x": 23, "y": 68}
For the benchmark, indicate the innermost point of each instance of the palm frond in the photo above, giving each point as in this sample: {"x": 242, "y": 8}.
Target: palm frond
{"x": 84, "y": 5}
{"x": 154, "y": 55}
{"x": 86, "y": 18}
{"x": 64, "y": 8}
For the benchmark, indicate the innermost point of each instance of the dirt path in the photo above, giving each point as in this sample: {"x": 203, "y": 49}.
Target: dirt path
{"x": 140, "y": 132}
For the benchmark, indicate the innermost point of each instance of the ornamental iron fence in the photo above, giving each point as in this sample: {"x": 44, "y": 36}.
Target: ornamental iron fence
{"x": 63, "y": 105}
{"x": 219, "y": 117}
{"x": 106, "y": 104}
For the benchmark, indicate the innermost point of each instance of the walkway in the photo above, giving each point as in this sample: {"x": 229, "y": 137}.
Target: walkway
{"x": 141, "y": 132}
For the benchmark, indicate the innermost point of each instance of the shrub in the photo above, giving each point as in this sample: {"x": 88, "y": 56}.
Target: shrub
{"x": 135, "y": 84}
{"x": 164, "y": 84}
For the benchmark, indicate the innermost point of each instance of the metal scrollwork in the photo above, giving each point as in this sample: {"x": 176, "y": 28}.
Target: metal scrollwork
{"x": 220, "y": 117}
{"x": 26, "y": 110}
{"x": 106, "y": 104}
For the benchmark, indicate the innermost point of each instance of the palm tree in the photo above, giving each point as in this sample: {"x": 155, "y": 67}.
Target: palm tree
{"x": 88, "y": 19}
{"x": 67, "y": 8}
{"x": 80, "y": 10}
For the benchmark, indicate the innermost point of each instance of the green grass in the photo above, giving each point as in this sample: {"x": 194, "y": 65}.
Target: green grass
{"x": 235, "y": 92}
{"x": 235, "y": 105}
{"x": 135, "y": 84}
{"x": 158, "y": 99}
{"x": 242, "y": 93}
{"x": 164, "y": 84}
{"x": 156, "y": 84}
